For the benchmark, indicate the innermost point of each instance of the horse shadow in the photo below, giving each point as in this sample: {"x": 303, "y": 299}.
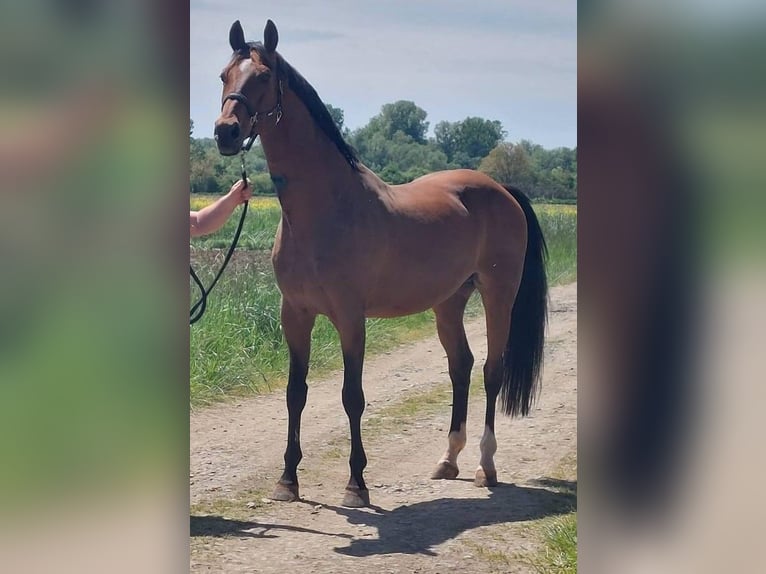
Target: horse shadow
{"x": 218, "y": 526}
{"x": 419, "y": 527}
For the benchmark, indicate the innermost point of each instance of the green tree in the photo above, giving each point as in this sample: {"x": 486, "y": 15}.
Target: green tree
{"x": 203, "y": 177}
{"x": 210, "y": 172}
{"x": 394, "y": 144}
{"x": 446, "y": 137}
{"x": 509, "y": 165}
{"x": 465, "y": 143}
{"x": 402, "y": 116}
{"x": 396, "y": 158}
{"x": 196, "y": 157}
{"x": 555, "y": 170}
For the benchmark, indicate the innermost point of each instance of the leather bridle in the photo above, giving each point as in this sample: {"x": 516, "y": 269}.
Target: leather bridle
{"x": 256, "y": 116}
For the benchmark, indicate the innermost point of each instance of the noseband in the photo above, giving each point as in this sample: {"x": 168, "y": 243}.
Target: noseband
{"x": 256, "y": 116}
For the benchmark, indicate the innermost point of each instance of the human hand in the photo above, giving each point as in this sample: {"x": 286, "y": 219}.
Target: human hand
{"x": 241, "y": 191}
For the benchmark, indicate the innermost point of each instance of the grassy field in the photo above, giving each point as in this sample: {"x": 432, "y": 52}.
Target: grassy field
{"x": 257, "y": 232}
{"x": 237, "y": 348}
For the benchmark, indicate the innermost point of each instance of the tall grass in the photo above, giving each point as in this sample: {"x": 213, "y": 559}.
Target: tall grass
{"x": 559, "y": 225}
{"x": 257, "y": 232}
{"x": 237, "y": 347}
{"x": 559, "y": 553}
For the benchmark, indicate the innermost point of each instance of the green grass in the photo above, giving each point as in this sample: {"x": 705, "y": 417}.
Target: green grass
{"x": 559, "y": 554}
{"x": 558, "y": 534}
{"x": 559, "y": 225}
{"x": 237, "y": 347}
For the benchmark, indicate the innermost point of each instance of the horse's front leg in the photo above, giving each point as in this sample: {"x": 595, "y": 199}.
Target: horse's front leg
{"x": 352, "y": 338}
{"x": 296, "y": 326}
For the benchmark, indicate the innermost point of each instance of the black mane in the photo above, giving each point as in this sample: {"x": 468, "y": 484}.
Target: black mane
{"x": 313, "y": 103}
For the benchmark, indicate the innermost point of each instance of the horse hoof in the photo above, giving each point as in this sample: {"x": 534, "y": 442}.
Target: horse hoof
{"x": 485, "y": 478}
{"x": 445, "y": 470}
{"x": 285, "y": 492}
{"x": 355, "y": 498}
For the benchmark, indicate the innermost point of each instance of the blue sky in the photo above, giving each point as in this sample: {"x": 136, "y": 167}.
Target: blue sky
{"x": 508, "y": 60}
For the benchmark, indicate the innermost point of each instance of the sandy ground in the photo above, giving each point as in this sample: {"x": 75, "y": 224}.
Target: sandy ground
{"x": 415, "y": 524}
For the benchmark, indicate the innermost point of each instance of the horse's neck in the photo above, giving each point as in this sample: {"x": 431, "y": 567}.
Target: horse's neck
{"x": 307, "y": 169}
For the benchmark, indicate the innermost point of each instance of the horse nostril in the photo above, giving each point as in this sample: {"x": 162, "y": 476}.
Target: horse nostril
{"x": 235, "y": 131}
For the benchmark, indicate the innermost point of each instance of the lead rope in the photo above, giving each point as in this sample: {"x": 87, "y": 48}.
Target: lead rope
{"x": 198, "y": 309}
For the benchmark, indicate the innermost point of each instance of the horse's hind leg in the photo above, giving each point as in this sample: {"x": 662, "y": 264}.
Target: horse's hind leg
{"x": 449, "y": 324}
{"x": 497, "y": 296}
{"x": 296, "y": 326}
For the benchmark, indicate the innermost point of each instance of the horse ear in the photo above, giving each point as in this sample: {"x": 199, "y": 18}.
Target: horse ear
{"x": 270, "y": 36}
{"x": 237, "y": 37}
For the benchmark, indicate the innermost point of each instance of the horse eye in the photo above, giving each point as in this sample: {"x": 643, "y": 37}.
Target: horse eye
{"x": 223, "y": 77}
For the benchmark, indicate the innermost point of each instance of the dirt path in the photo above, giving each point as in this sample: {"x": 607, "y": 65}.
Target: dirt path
{"x": 416, "y": 525}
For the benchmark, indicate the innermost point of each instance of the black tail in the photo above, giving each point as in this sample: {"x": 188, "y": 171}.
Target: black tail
{"x": 523, "y": 357}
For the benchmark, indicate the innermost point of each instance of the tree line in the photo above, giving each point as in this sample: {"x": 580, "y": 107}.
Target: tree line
{"x": 395, "y": 145}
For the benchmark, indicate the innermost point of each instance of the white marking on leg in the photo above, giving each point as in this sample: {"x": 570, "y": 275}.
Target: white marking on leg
{"x": 488, "y": 446}
{"x": 456, "y": 443}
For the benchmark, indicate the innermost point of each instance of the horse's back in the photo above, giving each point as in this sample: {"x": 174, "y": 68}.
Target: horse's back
{"x": 463, "y": 177}
{"x": 472, "y": 188}
{"x": 460, "y": 198}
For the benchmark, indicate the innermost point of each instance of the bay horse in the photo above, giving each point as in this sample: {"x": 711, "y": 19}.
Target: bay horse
{"x": 349, "y": 246}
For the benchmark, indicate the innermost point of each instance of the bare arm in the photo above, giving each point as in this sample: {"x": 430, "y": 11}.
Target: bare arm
{"x": 211, "y": 218}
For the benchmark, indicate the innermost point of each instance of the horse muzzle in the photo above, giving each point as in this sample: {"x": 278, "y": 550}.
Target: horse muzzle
{"x": 228, "y": 136}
